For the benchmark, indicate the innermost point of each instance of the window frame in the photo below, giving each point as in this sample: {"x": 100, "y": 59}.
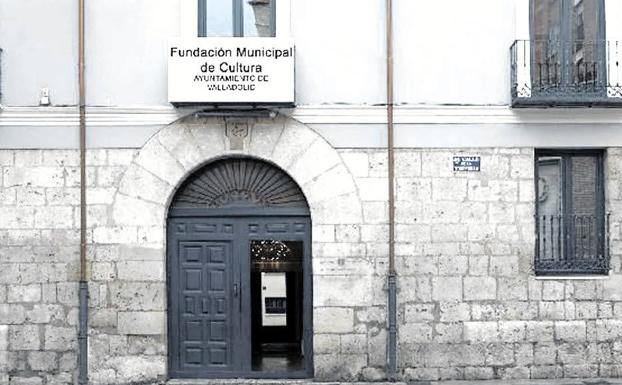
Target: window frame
{"x": 566, "y": 19}
{"x": 238, "y": 19}
{"x": 566, "y": 33}
{"x": 566, "y": 208}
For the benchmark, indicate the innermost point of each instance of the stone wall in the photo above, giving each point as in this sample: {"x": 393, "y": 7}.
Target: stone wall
{"x": 128, "y": 319}
{"x": 469, "y": 304}
{"x": 39, "y": 257}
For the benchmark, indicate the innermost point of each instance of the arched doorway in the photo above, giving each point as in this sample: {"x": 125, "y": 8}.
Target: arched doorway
{"x": 239, "y": 274}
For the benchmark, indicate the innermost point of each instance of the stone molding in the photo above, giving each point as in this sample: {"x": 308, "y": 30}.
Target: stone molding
{"x": 316, "y": 114}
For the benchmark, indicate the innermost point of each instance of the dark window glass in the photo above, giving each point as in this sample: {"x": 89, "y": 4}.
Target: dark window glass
{"x": 218, "y": 16}
{"x": 568, "y": 45}
{"x": 253, "y": 18}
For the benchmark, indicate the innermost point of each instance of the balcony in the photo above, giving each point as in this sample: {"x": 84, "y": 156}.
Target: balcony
{"x": 560, "y": 74}
{"x": 572, "y": 244}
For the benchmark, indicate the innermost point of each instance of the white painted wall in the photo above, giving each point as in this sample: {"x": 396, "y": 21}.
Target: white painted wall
{"x": 340, "y": 51}
{"x": 453, "y": 51}
{"x": 127, "y": 42}
{"x": 40, "y": 43}
{"x": 446, "y": 51}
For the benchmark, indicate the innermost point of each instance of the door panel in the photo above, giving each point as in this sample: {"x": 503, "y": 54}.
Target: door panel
{"x": 204, "y": 318}
{"x": 206, "y": 322}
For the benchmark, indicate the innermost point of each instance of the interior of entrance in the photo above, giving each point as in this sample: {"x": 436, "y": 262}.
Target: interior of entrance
{"x": 276, "y": 305}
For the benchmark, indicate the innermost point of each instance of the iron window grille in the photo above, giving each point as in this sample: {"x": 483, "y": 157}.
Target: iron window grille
{"x": 572, "y": 228}
{"x": 541, "y": 73}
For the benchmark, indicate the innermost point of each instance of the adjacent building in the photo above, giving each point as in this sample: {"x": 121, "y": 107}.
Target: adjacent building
{"x": 237, "y": 190}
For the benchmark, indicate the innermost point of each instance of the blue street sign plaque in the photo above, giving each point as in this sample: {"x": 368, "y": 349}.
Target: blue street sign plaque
{"x": 466, "y": 163}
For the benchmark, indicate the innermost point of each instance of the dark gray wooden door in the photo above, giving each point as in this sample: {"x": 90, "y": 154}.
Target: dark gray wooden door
{"x": 204, "y": 297}
{"x": 209, "y": 293}
{"x": 213, "y": 217}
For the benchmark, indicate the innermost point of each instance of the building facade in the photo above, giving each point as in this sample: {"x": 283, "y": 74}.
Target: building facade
{"x": 252, "y": 240}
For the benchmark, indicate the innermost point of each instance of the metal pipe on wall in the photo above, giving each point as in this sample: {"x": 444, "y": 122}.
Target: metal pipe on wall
{"x": 391, "y": 277}
{"x": 83, "y": 287}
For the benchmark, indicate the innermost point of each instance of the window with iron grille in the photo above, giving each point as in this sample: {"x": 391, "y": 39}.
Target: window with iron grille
{"x": 571, "y": 224}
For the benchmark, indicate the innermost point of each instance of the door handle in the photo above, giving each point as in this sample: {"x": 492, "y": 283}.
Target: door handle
{"x": 235, "y": 289}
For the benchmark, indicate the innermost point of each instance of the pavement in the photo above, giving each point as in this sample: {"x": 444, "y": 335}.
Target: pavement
{"x": 591, "y": 381}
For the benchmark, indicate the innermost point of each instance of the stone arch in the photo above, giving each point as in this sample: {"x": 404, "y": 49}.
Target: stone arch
{"x": 141, "y": 203}
{"x": 181, "y": 148}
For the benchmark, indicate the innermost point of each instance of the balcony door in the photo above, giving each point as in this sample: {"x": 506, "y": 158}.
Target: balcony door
{"x": 568, "y": 46}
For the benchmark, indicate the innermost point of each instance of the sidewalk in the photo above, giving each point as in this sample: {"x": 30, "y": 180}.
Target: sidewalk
{"x": 591, "y": 381}
{"x": 568, "y": 381}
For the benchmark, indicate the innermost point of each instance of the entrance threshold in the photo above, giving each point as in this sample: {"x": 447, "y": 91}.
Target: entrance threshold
{"x": 272, "y": 382}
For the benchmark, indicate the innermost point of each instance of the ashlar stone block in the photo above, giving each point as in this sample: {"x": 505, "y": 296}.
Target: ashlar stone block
{"x": 540, "y": 331}
{"x": 136, "y": 369}
{"x": 335, "y": 182}
{"x": 512, "y": 331}
{"x": 354, "y": 344}
{"x": 447, "y": 288}
{"x": 478, "y": 332}
{"x": 128, "y": 211}
{"x": 180, "y": 142}
{"x": 141, "y": 270}
{"x": 419, "y": 312}
{"x": 553, "y": 291}
{"x": 326, "y": 343}
{"x": 24, "y": 293}
{"x": 156, "y": 159}
{"x": 24, "y": 337}
{"x": 449, "y": 189}
{"x": 454, "y": 311}
{"x": 572, "y": 331}
{"x": 141, "y": 323}
{"x": 407, "y": 164}
{"x": 329, "y": 290}
{"x": 316, "y": 160}
{"x": 571, "y": 353}
{"x": 545, "y": 353}
{"x": 448, "y": 332}
{"x": 356, "y": 162}
{"x": 333, "y": 320}
{"x": 480, "y": 288}
{"x": 348, "y": 206}
{"x": 60, "y": 338}
{"x": 44, "y": 361}
{"x": 135, "y": 296}
{"x": 140, "y": 183}
{"x": 4, "y": 337}
{"x": 415, "y": 333}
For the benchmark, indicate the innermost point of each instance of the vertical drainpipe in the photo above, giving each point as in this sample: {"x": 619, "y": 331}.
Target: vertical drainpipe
{"x": 83, "y": 378}
{"x": 391, "y": 277}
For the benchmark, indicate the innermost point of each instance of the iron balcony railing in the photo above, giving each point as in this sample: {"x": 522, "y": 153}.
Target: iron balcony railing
{"x": 572, "y": 244}
{"x": 551, "y": 73}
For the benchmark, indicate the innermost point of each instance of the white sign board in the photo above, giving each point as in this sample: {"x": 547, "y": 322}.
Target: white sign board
{"x": 231, "y": 70}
